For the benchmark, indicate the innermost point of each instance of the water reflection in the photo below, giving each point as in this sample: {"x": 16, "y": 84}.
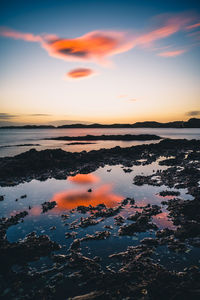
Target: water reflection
{"x": 72, "y": 198}
{"x": 83, "y": 178}
{"x": 162, "y": 221}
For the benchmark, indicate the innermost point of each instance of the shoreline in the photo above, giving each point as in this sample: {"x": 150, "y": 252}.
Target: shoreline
{"x": 57, "y": 163}
{"x": 135, "y": 270}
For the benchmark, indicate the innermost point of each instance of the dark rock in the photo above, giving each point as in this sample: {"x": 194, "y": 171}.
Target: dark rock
{"x": 48, "y": 205}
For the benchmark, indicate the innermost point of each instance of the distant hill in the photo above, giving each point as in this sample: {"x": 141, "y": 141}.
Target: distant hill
{"x": 191, "y": 123}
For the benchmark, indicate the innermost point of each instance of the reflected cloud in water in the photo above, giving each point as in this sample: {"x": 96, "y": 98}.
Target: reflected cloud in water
{"x": 71, "y": 199}
{"x": 162, "y": 221}
{"x": 83, "y": 178}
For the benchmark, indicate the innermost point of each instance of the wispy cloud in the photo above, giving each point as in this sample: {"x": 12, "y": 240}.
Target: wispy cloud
{"x": 132, "y": 99}
{"x": 123, "y": 96}
{"x": 171, "y": 26}
{"x": 29, "y": 37}
{"x": 193, "y": 26}
{"x": 127, "y": 98}
{"x": 173, "y": 53}
{"x": 39, "y": 115}
{"x": 193, "y": 113}
{"x": 79, "y": 73}
{"x": 100, "y": 46}
{"x": 6, "y": 116}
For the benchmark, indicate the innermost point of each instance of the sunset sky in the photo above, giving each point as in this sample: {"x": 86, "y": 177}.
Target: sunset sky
{"x": 99, "y": 61}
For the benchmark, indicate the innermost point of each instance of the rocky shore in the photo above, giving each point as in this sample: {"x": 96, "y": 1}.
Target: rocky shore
{"x": 58, "y": 164}
{"x": 134, "y": 273}
{"x": 114, "y": 137}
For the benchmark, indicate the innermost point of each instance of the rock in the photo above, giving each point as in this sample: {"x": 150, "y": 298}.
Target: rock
{"x": 169, "y": 193}
{"x": 91, "y": 295}
{"x": 48, "y": 205}
{"x": 72, "y": 234}
{"x": 75, "y": 245}
{"x": 53, "y": 228}
{"x": 98, "y": 235}
{"x": 23, "y": 196}
{"x": 119, "y": 220}
{"x": 149, "y": 242}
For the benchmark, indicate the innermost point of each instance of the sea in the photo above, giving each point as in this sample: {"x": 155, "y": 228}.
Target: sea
{"x": 16, "y": 141}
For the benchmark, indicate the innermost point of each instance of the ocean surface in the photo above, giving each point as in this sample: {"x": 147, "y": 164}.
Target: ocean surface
{"x": 16, "y": 141}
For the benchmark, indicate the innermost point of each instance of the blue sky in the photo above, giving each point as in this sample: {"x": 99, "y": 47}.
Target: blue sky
{"x": 147, "y": 74}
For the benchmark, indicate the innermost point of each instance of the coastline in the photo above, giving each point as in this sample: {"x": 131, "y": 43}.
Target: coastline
{"x": 136, "y": 268}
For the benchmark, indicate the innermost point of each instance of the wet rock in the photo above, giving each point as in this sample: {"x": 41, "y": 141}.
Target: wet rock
{"x": 75, "y": 245}
{"x": 149, "y": 242}
{"x": 60, "y": 258}
{"x": 65, "y": 217}
{"x": 23, "y": 196}
{"x": 89, "y": 221}
{"x": 98, "y": 235}
{"x": 83, "y": 209}
{"x": 128, "y": 170}
{"x": 91, "y": 295}
{"x": 169, "y": 193}
{"x": 177, "y": 246}
{"x": 48, "y": 205}
{"x": 5, "y": 223}
{"x": 53, "y": 228}
{"x": 124, "y": 202}
{"x": 51, "y": 163}
{"x": 164, "y": 232}
{"x": 140, "y": 226}
{"x": 72, "y": 234}
{"x": 108, "y": 226}
{"x": 119, "y": 220}
{"x": 31, "y": 248}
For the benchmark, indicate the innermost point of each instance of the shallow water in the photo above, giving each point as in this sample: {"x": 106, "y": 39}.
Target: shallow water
{"x": 10, "y": 138}
{"x": 109, "y": 185}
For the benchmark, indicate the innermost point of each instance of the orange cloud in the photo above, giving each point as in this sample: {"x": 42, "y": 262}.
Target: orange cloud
{"x": 98, "y": 46}
{"x": 172, "y": 53}
{"x": 80, "y": 72}
{"x": 83, "y": 178}
{"x": 72, "y": 199}
{"x": 93, "y": 46}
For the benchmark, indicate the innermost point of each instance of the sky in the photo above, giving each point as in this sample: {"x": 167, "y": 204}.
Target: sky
{"x": 69, "y": 61}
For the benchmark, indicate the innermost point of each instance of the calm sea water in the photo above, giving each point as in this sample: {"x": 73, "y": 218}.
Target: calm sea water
{"x": 110, "y": 185}
{"x": 11, "y": 138}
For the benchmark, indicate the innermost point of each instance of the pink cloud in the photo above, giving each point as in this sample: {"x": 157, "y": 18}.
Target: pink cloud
{"x": 99, "y": 46}
{"x": 172, "y": 53}
{"x": 171, "y": 26}
{"x": 29, "y": 37}
{"x": 193, "y": 26}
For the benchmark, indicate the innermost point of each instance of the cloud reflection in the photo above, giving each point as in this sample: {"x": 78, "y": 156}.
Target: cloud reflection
{"x": 83, "y": 178}
{"x": 71, "y": 199}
